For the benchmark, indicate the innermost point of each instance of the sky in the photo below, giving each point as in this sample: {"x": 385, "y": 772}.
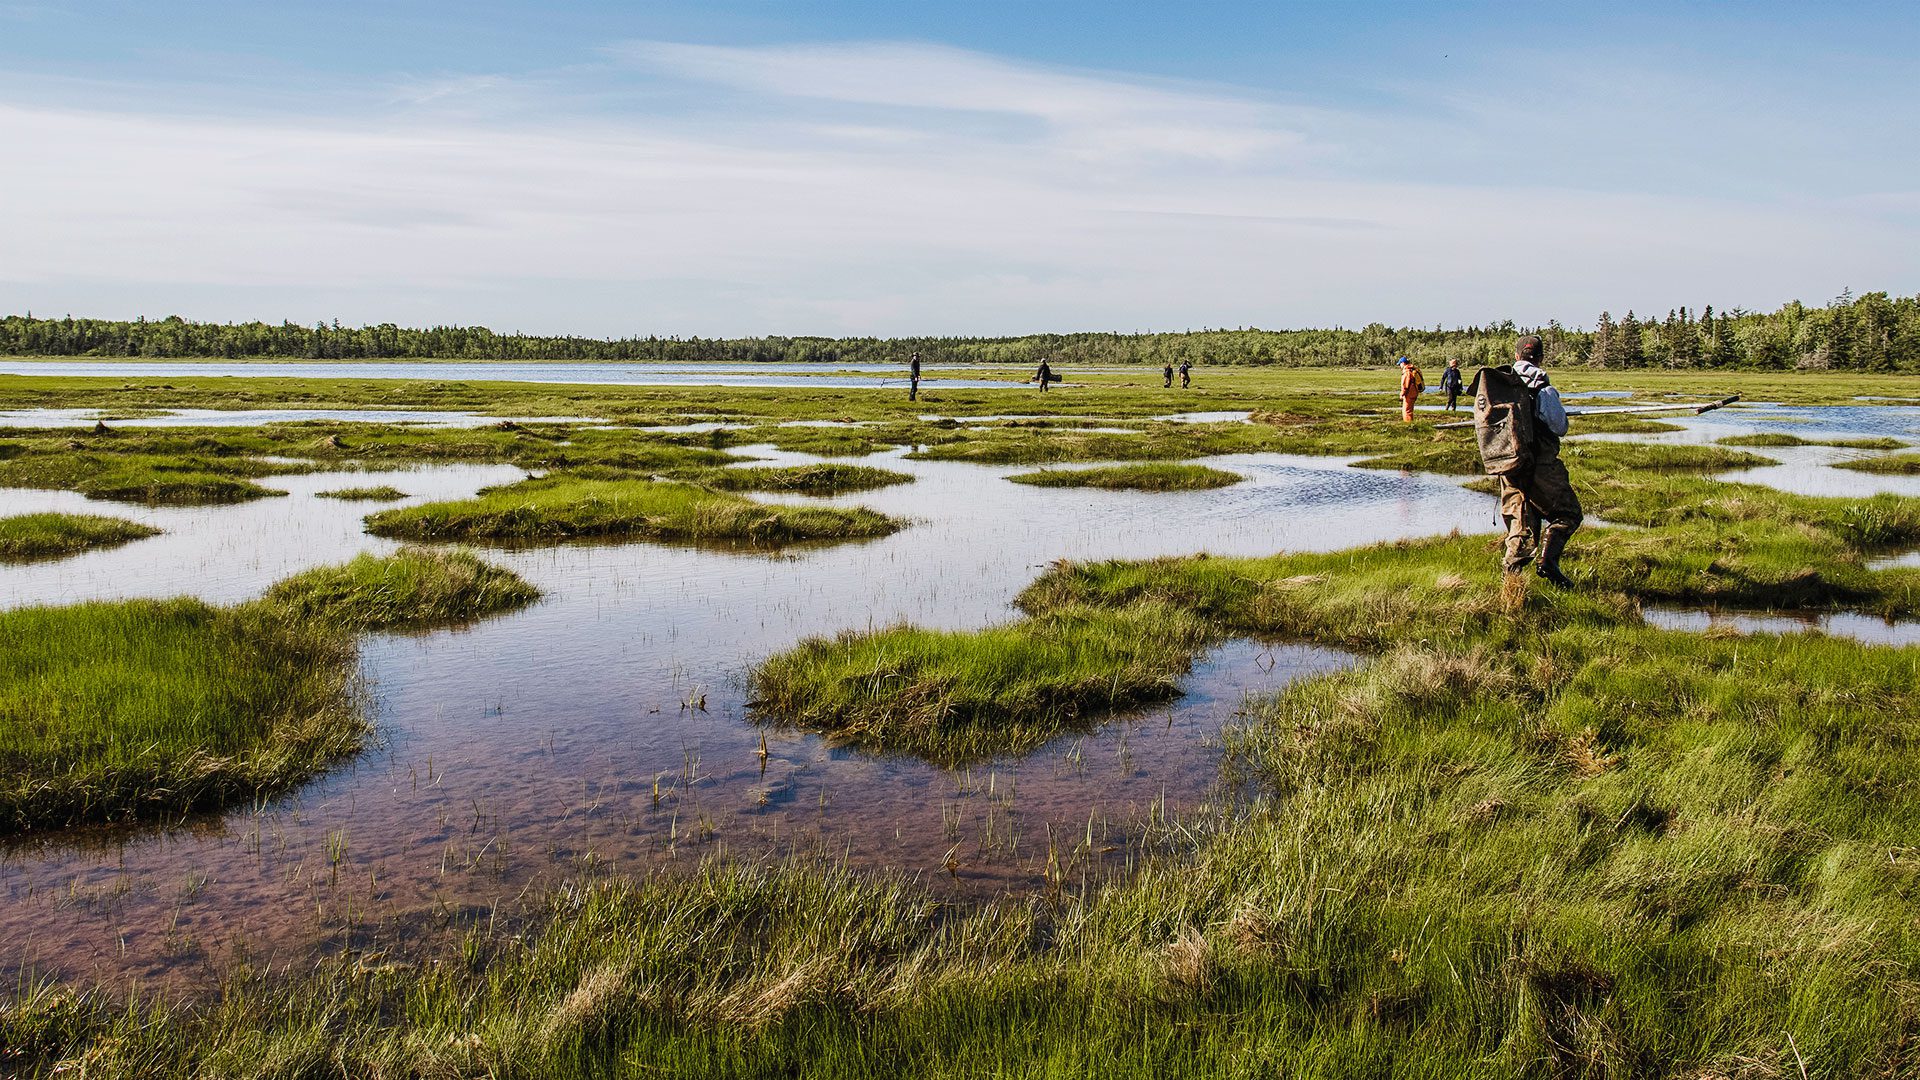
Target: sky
{"x": 732, "y": 168}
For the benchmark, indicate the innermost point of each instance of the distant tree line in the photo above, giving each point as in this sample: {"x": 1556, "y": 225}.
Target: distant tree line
{"x": 1871, "y": 332}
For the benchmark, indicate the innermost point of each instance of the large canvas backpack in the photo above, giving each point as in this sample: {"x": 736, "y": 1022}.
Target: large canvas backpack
{"x": 1502, "y": 420}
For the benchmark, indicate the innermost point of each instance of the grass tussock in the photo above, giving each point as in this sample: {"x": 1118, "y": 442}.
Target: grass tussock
{"x": 1782, "y": 438}
{"x": 794, "y": 479}
{"x": 953, "y": 696}
{"x": 143, "y": 709}
{"x": 50, "y": 536}
{"x": 382, "y": 493}
{"x": 1149, "y": 477}
{"x": 412, "y": 589}
{"x": 1894, "y": 464}
{"x": 137, "y": 477}
{"x": 563, "y": 507}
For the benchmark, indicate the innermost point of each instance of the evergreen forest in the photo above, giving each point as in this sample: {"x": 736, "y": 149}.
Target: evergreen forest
{"x": 1873, "y": 332}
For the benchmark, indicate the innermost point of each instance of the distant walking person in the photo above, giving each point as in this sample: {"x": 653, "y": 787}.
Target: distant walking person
{"x": 1411, "y": 384}
{"x": 1519, "y": 420}
{"x": 913, "y": 378}
{"x": 1451, "y": 383}
{"x": 1167, "y": 374}
{"x": 1186, "y": 374}
{"x": 1045, "y": 374}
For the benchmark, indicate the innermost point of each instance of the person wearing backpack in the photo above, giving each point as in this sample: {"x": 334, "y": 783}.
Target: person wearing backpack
{"x": 1518, "y": 420}
{"x": 1167, "y": 374}
{"x": 1412, "y": 383}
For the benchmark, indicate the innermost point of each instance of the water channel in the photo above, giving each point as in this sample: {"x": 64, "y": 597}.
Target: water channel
{"x": 604, "y": 728}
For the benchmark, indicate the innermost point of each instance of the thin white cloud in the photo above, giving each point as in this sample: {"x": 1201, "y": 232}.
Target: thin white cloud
{"x": 1085, "y": 114}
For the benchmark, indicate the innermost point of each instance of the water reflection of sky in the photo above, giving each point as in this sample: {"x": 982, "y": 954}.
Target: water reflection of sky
{"x": 532, "y": 747}
{"x": 516, "y": 751}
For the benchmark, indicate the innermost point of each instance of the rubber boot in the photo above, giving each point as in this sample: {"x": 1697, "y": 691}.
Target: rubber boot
{"x": 1550, "y": 548}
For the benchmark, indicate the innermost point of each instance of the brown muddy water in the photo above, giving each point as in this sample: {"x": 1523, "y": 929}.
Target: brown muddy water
{"x": 568, "y": 738}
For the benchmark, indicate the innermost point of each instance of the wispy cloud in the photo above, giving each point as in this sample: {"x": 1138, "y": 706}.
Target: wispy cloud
{"x": 847, "y": 189}
{"x": 1083, "y": 114}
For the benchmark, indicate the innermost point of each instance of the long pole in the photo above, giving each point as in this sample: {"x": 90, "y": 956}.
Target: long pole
{"x": 1696, "y": 409}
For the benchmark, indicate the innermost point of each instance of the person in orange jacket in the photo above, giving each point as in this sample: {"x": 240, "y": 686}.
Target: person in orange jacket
{"x": 1411, "y": 384}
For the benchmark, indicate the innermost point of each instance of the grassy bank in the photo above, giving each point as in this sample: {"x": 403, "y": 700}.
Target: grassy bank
{"x": 562, "y": 507}
{"x": 412, "y": 589}
{"x": 143, "y": 709}
{"x": 47, "y": 536}
{"x": 1155, "y": 477}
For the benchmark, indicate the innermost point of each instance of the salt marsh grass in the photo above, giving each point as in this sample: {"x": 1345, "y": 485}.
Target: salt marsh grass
{"x": 1152, "y": 477}
{"x": 1782, "y": 438}
{"x": 45, "y": 536}
{"x": 144, "y": 709}
{"x": 414, "y": 588}
{"x": 794, "y": 479}
{"x": 562, "y": 507}
{"x": 953, "y": 696}
{"x": 382, "y": 493}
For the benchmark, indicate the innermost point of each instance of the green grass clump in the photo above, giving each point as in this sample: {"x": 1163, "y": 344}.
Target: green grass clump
{"x": 156, "y": 479}
{"x": 412, "y": 589}
{"x": 1612, "y": 424}
{"x": 794, "y": 479}
{"x": 1781, "y": 438}
{"x": 562, "y": 507}
{"x": 143, "y": 709}
{"x": 1151, "y": 477}
{"x": 953, "y": 696}
{"x": 168, "y": 488}
{"x": 1894, "y": 464}
{"x": 46, "y": 536}
{"x": 382, "y": 493}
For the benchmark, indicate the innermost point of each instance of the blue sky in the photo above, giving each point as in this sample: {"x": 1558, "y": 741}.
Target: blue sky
{"x": 862, "y": 168}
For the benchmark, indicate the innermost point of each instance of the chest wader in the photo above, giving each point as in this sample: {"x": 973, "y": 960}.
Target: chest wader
{"x": 1536, "y": 496}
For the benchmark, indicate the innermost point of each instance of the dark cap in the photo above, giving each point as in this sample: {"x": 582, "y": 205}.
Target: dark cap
{"x": 1528, "y": 348}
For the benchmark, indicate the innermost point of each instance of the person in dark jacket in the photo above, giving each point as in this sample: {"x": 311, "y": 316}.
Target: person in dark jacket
{"x": 1541, "y": 497}
{"x": 1451, "y": 383}
{"x": 913, "y": 378}
{"x": 1166, "y": 373}
{"x": 1045, "y": 374}
{"x": 1186, "y": 374}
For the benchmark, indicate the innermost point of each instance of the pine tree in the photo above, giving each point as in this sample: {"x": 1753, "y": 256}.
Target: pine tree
{"x": 1604, "y": 333}
{"x": 1627, "y": 349}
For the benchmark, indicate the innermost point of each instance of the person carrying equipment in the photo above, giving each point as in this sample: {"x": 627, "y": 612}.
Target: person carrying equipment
{"x": 1451, "y": 382}
{"x": 1167, "y": 374}
{"x": 1411, "y": 385}
{"x": 913, "y": 378}
{"x": 1186, "y": 374}
{"x": 1045, "y": 374}
{"x": 1518, "y": 419}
